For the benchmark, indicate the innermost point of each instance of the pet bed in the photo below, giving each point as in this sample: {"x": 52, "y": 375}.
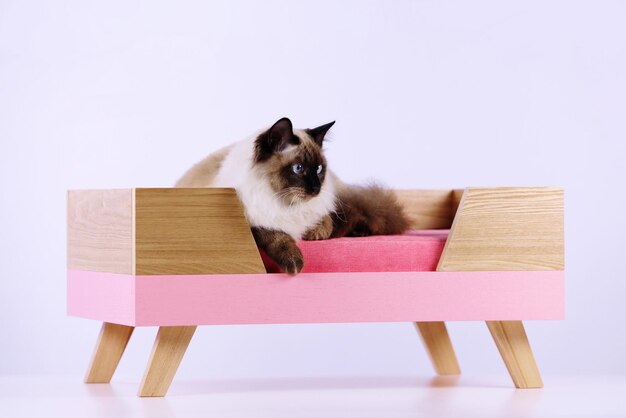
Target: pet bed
{"x": 179, "y": 258}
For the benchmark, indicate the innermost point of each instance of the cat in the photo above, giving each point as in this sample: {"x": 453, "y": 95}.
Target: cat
{"x": 288, "y": 193}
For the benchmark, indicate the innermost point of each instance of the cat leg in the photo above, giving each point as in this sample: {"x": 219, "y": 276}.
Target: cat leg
{"x": 322, "y": 230}
{"x": 281, "y": 248}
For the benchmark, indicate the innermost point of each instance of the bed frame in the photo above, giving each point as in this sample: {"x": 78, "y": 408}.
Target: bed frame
{"x": 179, "y": 258}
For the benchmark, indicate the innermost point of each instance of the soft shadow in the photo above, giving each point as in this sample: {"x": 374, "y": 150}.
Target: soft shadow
{"x": 444, "y": 381}
{"x": 522, "y": 403}
{"x": 101, "y": 390}
{"x": 123, "y": 401}
{"x": 190, "y": 387}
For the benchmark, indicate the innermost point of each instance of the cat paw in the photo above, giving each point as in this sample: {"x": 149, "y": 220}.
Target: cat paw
{"x": 323, "y": 230}
{"x": 315, "y": 235}
{"x": 291, "y": 264}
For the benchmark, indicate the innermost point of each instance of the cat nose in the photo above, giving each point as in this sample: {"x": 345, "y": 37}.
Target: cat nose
{"x": 315, "y": 190}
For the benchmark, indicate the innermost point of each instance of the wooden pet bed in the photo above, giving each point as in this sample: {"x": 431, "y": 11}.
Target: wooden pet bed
{"x": 179, "y": 258}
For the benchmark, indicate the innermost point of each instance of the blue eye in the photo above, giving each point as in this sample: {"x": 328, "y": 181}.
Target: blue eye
{"x": 297, "y": 168}
{"x": 319, "y": 169}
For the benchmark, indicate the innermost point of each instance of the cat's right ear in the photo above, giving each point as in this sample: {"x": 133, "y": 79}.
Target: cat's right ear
{"x": 275, "y": 139}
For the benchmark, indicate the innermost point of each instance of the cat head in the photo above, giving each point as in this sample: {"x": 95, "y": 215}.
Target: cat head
{"x": 292, "y": 160}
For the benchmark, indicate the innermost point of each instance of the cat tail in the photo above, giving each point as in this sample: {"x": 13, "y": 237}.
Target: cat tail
{"x": 367, "y": 210}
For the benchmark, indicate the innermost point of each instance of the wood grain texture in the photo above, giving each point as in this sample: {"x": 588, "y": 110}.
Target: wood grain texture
{"x": 518, "y": 228}
{"x": 110, "y": 346}
{"x": 167, "y": 353}
{"x": 429, "y": 209}
{"x": 193, "y": 231}
{"x": 437, "y": 341}
{"x": 513, "y": 345}
{"x": 99, "y": 230}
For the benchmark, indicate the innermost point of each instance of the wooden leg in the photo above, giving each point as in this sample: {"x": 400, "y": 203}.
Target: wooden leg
{"x": 167, "y": 353}
{"x": 439, "y": 347}
{"x": 109, "y": 349}
{"x": 514, "y": 348}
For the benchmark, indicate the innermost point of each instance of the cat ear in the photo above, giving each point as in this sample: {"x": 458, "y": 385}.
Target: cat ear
{"x": 280, "y": 134}
{"x": 275, "y": 139}
{"x": 318, "y": 133}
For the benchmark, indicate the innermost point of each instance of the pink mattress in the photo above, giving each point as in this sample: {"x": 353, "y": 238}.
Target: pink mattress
{"x": 413, "y": 251}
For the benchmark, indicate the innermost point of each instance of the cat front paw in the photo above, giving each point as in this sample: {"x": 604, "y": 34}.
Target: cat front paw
{"x": 291, "y": 263}
{"x": 280, "y": 247}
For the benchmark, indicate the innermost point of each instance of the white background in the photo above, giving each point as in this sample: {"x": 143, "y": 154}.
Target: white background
{"x": 426, "y": 95}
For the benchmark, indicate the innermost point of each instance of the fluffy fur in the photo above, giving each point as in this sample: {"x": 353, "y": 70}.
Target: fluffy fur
{"x": 288, "y": 193}
{"x": 265, "y": 205}
{"x": 367, "y": 210}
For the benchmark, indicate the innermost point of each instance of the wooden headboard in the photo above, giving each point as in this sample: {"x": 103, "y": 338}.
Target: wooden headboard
{"x": 430, "y": 209}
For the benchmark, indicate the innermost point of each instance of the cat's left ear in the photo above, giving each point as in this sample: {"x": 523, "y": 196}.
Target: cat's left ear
{"x": 319, "y": 133}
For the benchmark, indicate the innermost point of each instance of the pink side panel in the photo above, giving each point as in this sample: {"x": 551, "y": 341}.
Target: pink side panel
{"x": 107, "y": 297}
{"x": 316, "y": 297}
{"x": 349, "y": 297}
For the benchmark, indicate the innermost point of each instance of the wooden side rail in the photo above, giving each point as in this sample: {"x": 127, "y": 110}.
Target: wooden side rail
{"x": 160, "y": 231}
{"x": 506, "y": 228}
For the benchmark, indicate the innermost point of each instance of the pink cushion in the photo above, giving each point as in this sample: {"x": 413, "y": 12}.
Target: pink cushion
{"x": 413, "y": 251}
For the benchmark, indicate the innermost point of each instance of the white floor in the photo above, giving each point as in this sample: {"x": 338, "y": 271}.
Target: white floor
{"x": 387, "y": 397}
